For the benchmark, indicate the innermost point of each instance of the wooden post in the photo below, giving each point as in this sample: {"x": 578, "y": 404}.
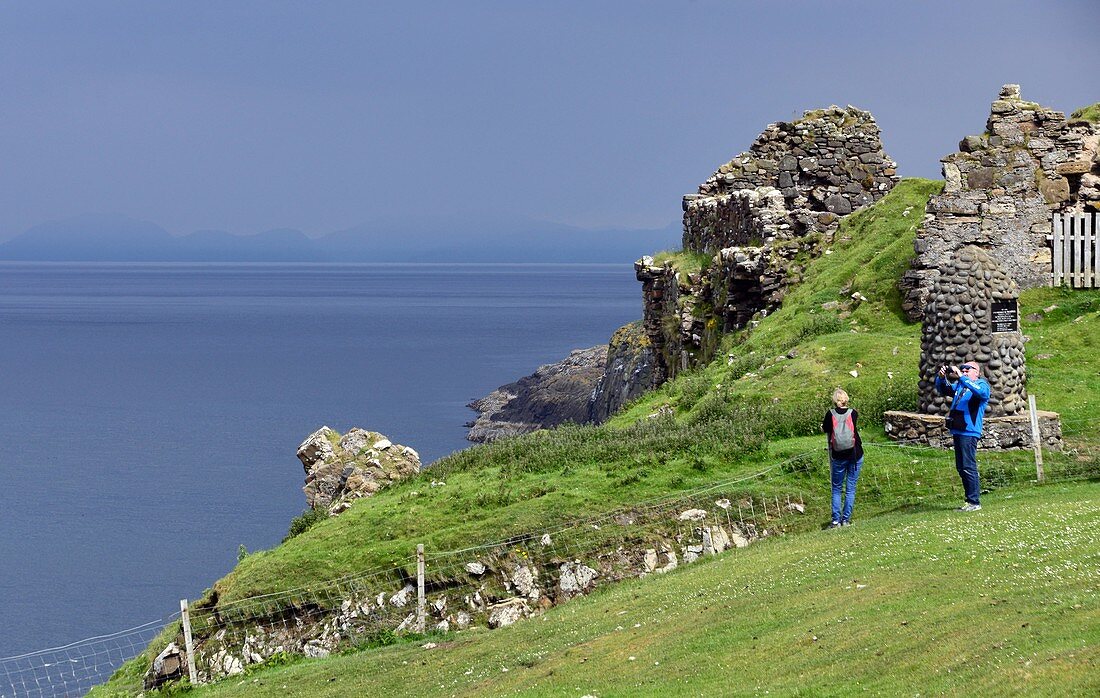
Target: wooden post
{"x": 421, "y": 618}
{"x": 1057, "y": 235}
{"x": 1089, "y": 262}
{"x": 1036, "y": 439}
{"x": 189, "y": 645}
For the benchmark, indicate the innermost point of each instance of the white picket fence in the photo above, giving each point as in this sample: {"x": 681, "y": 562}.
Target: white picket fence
{"x": 1076, "y": 241}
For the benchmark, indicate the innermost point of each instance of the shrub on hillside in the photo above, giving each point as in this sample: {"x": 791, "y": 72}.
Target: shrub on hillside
{"x": 305, "y": 521}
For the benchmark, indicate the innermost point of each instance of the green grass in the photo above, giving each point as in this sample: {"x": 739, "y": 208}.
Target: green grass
{"x": 1090, "y": 113}
{"x": 744, "y": 413}
{"x": 926, "y": 600}
{"x": 872, "y": 249}
{"x": 684, "y": 261}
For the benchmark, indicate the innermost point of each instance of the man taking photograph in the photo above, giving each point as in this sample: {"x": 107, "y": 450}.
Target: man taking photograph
{"x": 971, "y": 394}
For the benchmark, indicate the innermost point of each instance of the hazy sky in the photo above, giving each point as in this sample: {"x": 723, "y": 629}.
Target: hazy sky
{"x": 246, "y": 116}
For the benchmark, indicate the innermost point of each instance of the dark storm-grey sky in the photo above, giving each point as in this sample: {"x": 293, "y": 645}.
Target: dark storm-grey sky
{"x": 320, "y": 116}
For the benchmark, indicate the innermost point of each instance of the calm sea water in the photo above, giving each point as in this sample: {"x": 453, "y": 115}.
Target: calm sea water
{"x": 150, "y": 413}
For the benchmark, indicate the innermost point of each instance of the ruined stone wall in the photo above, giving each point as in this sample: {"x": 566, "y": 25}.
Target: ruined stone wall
{"x": 796, "y": 177}
{"x": 755, "y": 215}
{"x": 1000, "y": 191}
{"x": 660, "y": 316}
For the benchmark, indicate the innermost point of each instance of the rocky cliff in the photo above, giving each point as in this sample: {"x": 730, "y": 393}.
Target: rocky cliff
{"x": 554, "y": 394}
{"x": 586, "y": 387}
{"x": 754, "y": 222}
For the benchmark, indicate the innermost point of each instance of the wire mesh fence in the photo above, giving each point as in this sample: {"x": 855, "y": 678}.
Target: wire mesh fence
{"x": 73, "y": 669}
{"x": 494, "y": 581}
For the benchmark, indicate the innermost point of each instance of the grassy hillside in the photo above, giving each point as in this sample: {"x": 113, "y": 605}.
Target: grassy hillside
{"x": 926, "y": 600}
{"x": 744, "y": 427}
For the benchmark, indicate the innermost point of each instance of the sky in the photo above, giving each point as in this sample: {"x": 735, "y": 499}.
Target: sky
{"x": 249, "y": 116}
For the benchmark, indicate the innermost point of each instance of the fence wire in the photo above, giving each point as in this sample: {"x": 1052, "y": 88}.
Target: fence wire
{"x": 363, "y": 606}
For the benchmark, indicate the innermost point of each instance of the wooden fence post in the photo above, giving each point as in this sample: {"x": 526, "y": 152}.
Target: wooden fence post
{"x": 1036, "y": 439}
{"x": 188, "y": 643}
{"x": 421, "y": 618}
{"x": 1056, "y": 235}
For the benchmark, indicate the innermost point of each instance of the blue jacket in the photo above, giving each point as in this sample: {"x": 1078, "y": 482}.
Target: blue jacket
{"x": 971, "y": 397}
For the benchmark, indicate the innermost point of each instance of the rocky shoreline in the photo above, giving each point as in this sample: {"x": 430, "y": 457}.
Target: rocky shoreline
{"x": 586, "y": 387}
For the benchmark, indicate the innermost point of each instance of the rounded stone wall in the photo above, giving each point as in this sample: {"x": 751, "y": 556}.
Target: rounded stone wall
{"x": 959, "y": 326}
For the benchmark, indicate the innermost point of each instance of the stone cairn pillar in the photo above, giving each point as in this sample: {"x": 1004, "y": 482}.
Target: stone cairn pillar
{"x": 972, "y": 315}
{"x": 959, "y": 325}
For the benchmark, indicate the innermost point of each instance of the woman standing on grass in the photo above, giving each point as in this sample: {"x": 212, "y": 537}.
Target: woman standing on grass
{"x": 845, "y": 455}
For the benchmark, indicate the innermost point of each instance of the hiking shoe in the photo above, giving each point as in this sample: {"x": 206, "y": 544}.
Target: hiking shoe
{"x": 970, "y": 507}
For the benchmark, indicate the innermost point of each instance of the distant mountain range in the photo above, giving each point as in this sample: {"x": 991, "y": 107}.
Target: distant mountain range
{"x": 115, "y": 238}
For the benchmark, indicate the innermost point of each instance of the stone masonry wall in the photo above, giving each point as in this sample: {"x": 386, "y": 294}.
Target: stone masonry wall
{"x": 757, "y": 213}
{"x": 958, "y": 327}
{"x": 796, "y": 177}
{"x": 1000, "y": 191}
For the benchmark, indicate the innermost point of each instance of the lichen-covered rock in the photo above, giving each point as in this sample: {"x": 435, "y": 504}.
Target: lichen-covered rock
{"x": 1001, "y": 189}
{"x": 340, "y": 469}
{"x": 317, "y": 448}
{"x": 576, "y": 578}
{"x": 523, "y": 578}
{"x": 168, "y": 666}
{"x": 507, "y": 613}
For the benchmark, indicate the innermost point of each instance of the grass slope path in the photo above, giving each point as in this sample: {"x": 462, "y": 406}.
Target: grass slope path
{"x": 922, "y": 601}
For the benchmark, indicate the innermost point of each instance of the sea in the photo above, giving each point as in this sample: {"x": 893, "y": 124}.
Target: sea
{"x": 150, "y": 413}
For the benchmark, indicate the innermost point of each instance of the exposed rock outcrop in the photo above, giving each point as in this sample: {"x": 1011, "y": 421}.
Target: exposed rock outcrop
{"x": 521, "y": 578}
{"x": 587, "y": 387}
{"x": 781, "y": 199}
{"x": 340, "y": 469}
{"x": 1000, "y": 190}
{"x": 552, "y": 395}
{"x": 627, "y": 374}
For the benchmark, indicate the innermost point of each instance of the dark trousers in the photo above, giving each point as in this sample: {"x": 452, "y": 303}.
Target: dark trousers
{"x": 966, "y": 462}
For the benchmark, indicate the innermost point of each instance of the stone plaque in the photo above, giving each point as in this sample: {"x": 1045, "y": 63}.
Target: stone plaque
{"x": 1006, "y": 316}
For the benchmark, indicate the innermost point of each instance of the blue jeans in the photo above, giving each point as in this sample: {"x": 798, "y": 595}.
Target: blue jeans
{"x": 966, "y": 462}
{"x": 845, "y": 471}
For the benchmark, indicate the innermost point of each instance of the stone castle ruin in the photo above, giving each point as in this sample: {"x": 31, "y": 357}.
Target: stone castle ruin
{"x": 982, "y": 239}
{"x": 783, "y": 197}
{"x": 749, "y": 228}
{"x": 1000, "y": 192}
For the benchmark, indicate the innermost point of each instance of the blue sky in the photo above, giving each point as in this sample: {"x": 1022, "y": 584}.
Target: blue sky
{"x": 247, "y": 116}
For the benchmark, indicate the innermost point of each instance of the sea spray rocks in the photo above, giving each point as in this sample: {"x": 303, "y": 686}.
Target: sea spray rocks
{"x": 959, "y": 325}
{"x": 340, "y": 469}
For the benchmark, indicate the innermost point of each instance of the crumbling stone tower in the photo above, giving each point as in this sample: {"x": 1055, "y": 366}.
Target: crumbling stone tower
{"x": 1000, "y": 190}
{"x": 785, "y": 195}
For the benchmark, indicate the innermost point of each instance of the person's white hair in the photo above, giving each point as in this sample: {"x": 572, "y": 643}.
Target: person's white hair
{"x": 840, "y": 398}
